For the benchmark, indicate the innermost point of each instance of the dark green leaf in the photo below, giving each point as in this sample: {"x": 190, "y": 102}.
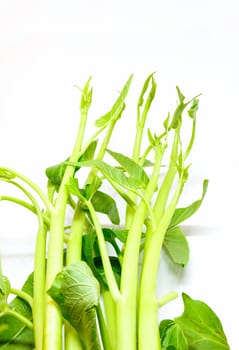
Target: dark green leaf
{"x": 55, "y": 173}
{"x": 91, "y": 254}
{"x": 133, "y": 169}
{"x": 14, "y": 335}
{"x": 176, "y": 246}
{"x": 105, "y": 204}
{"x": 172, "y": 336}
{"x": 201, "y": 326}
{"x": 117, "y": 108}
{"x": 77, "y": 293}
{"x": 181, "y": 214}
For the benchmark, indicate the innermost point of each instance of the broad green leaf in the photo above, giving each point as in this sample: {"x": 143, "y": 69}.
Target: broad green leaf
{"x": 116, "y": 110}
{"x": 176, "y": 246}
{"x": 4, "y": 292}
{"x": 133, "y": 169}
{"x": 77, "y": 293}
{"x": 105, "y": 204}
{"x": 201, "y": 326}
{"x": 181, "y": 214}
{"x": 14, "y": 335}
{"x": 172, "y": 336}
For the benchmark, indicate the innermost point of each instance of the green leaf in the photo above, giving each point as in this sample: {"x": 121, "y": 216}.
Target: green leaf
{"x": 4, "y": 292}
{"x": 91, "y": 254}
{"x": 56, "y": 172}
{"x": 105, "y": 204}
{"x": 177, "y": 116}
{"x": 119, "y": 105}
{"x": 86, "y": 97}
{"x": 176, "y": 246}
{"x": 111, "y": 173}
{"x": 145, "y": 88}
{"x": 14, "y": 335}
{"x": 77, "y": 293}
{"x": 181, "y": 214}
{"x": 201, "y": 326}
{"x": 133, "y": 169}
{"x": 172, "y": 336}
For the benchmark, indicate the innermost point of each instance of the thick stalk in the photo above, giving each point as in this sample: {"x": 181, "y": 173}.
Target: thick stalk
{"x": 53, "y": 318}
{"x": 148, "y": 304}
{"x": 127, "y": 306}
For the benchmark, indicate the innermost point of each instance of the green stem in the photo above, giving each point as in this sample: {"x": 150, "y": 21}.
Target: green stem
{"x": 18, "y": 316}
{"x": 39, "y": 270}
{"x": 23, "y": 295}
{"x": 114, "y": 290}
{"x": 104, "y": 331}
{"x": 110, "y": 316}
{"x": 167, "y": 298}
{"x": 30, "y": 183}
{"x": 148, "y": 304}
{"x": 53, "y": 318}
{"x": 126, "y": 307}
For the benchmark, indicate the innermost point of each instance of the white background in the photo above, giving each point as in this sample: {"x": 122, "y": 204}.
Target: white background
{"x": 48, "y": 46}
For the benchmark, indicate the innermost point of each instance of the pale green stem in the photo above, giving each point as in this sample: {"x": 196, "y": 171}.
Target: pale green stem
{"x": 23, "y": 295}
{"x": 53, "y": 319}
{"x": 148, "y": 306}
{"x": 39, "y": 270}
{"x": 126, "y": 306}
{"x": 167, "y": 298}
{"x": 114, "y": 290}
{"x": 30, "y": 183}
{"x": 18, "y": 316}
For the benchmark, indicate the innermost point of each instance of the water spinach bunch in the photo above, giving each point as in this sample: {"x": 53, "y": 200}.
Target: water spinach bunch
{"x": 95, "y": 279}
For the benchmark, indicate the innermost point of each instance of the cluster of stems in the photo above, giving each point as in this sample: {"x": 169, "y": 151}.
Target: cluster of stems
{"x": 128, "y": 313}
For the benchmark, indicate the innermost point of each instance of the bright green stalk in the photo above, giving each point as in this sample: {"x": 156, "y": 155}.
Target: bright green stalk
{"x": 126, "y": 306}
{"x": 110, "y": 316}
{"x": 31, "y": 184}
{"x": 53, "y": 319}
{"x": 140, "y": 126}
{"x": 75, "y": 237}
{"x": 18, "y": 316}
{"x": 39, "y": 270}
{"x": 104, "y": 330}
{"x": 114, "y": 290}
{"x": 148, "y": 305}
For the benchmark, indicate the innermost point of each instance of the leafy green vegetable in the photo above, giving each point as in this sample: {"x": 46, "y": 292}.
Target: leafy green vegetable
{"x": 105, "y": 204}
{"x": 176, "y": 245}
{"x": 95, "y": 285}
{"x": 201, "y": 326}
{"x": 14, "y": 334}
{"x": 181, "y": 214}
{"x": 77, "y": 292}
{"x": 172, "y": 336}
